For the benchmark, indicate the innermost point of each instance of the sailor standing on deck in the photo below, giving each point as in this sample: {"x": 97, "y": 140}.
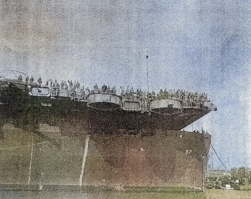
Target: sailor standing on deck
{"x": 20, "y": 78}
{"x": 49, "y": 85}
{"x": 54, "y": 88}
{"x": 87, "y": 91}
{"x": 57, "y": 89}
{"x": 39, "y": 81}
{"x": 95, "y": 88}
{"x": 31, "y": 80}
{"x": 27, "y": 80}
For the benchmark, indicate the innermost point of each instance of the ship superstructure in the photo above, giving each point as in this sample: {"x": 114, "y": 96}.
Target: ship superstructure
{"x": 130, "y": 109}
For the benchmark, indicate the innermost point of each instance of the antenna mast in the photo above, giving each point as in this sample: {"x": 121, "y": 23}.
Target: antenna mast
{"x": 147, "y": 73}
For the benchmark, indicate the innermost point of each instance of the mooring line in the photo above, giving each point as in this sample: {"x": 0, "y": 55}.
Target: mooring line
{"x": 84, "y": 161}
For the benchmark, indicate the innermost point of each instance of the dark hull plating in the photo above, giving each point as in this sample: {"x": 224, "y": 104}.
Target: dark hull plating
{"x": 166, "y": 158}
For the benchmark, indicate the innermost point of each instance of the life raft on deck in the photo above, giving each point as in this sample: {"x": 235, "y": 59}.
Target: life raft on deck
{"x": 104, "y": 101}
{"x": 132, "y": 105}
{"x": 40, "y": 91}
{"x": 165, "y": 106}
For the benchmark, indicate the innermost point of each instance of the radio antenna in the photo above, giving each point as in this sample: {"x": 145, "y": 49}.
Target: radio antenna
{"x": 147, "y": 81}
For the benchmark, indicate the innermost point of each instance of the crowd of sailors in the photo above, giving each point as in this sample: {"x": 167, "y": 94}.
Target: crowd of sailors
{"x": 77, "y": 92}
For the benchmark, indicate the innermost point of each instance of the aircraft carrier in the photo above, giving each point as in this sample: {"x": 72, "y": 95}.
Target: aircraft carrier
{"x": 65, "y": 134}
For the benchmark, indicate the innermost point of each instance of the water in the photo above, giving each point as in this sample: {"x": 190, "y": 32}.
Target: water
{"x": 46, "y": 195}
{"x": 102, "y": 194}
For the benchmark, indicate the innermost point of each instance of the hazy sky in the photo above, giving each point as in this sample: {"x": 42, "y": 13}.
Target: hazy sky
{"x": 196, "y": 45}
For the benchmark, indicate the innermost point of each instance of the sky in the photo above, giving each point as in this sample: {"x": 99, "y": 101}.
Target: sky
{"x": 194, "y": 45}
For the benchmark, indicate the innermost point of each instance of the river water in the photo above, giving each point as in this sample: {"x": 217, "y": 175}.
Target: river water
{"x": 6, "y": 194}
{"x": 102, "y": 194}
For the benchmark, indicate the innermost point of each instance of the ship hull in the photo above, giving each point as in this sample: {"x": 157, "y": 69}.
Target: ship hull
{"x": 165, "y": 158}
{"x": 62, "y": 141}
